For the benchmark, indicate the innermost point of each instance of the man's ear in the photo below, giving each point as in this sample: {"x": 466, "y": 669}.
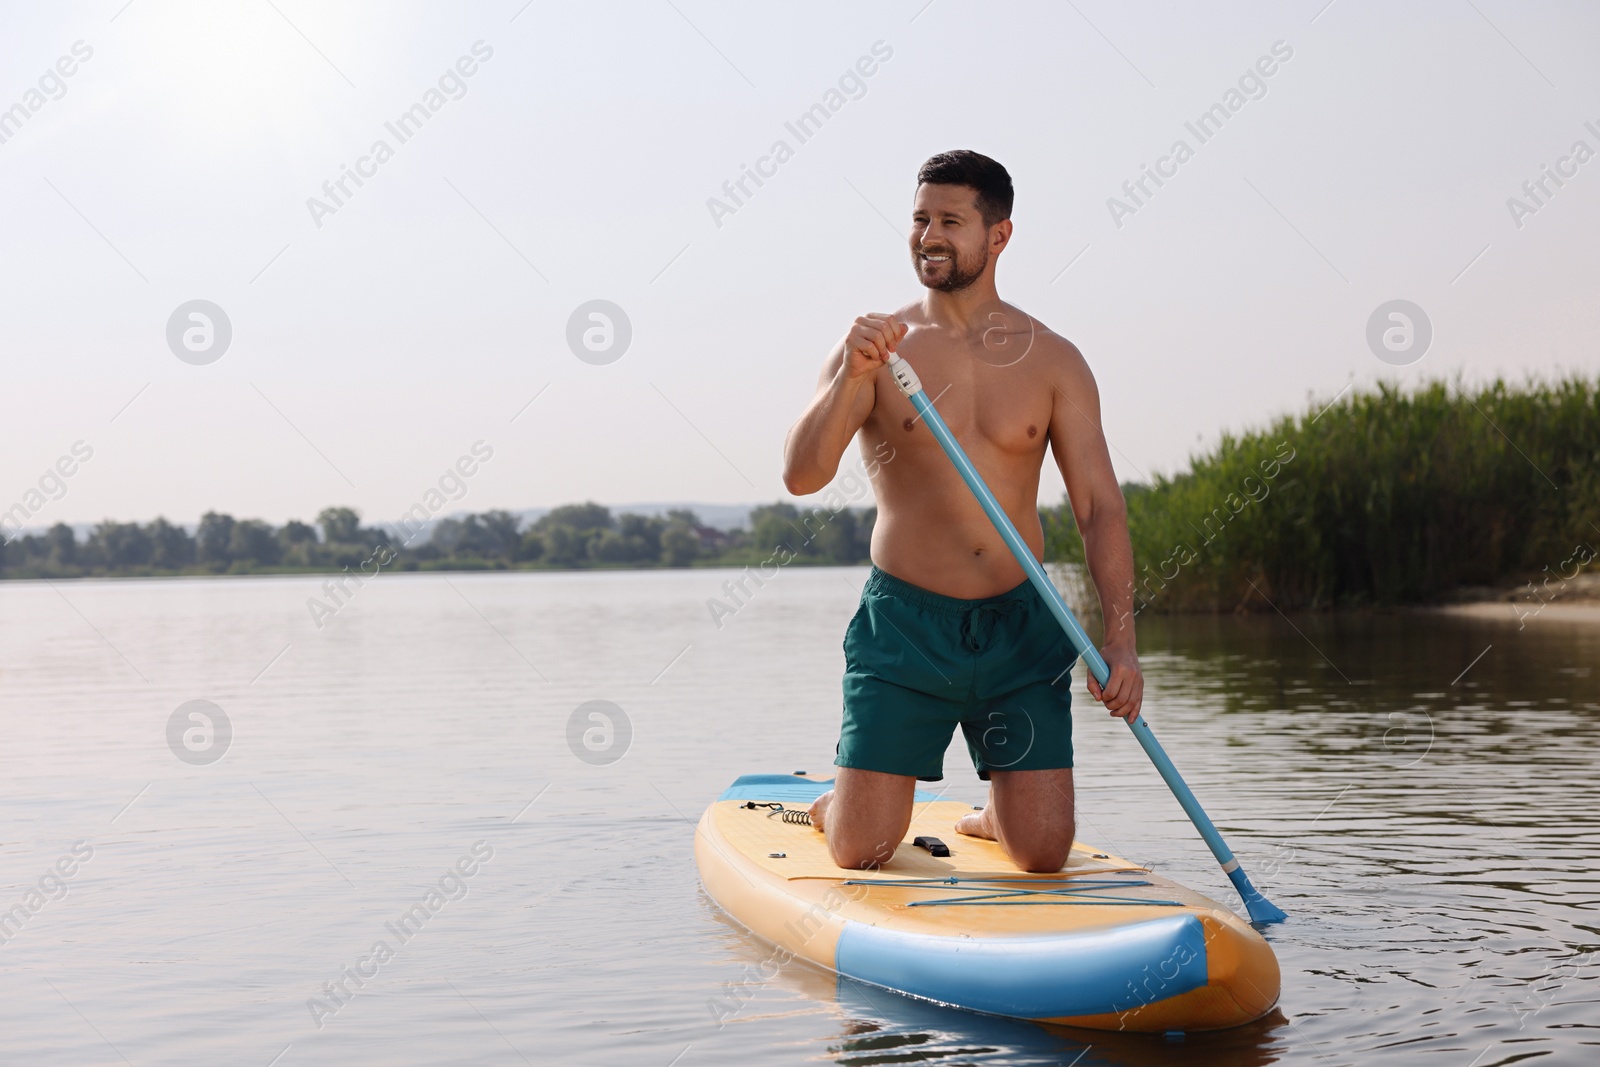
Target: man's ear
{"x": 999, "y": 236}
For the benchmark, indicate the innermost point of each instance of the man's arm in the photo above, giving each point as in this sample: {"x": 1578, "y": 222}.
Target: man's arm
{"x": 1079, "y": 445}
{"x": 845, "y": 396}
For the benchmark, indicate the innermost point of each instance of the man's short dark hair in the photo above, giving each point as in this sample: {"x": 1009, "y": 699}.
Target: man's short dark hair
{"x": 979, "y": 173}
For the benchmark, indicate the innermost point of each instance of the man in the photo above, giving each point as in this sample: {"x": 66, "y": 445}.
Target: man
{"x": 949, "y": 631}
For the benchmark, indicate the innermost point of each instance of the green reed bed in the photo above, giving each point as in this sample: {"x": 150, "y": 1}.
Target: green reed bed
{"x": 1382, "y": 497}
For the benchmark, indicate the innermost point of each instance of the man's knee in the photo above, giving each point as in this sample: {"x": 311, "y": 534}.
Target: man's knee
{"x": 1039, "y": 850}
{"x": 856, "y": 860}
{"x": 1042, "y": 859}
{"x": 859, "y": 854}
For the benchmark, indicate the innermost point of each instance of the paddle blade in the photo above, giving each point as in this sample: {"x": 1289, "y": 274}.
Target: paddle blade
{"x": 1261, "y": 909}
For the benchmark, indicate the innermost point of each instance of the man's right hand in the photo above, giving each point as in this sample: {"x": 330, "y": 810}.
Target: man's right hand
{"x": 845, "y": 397}
{"x": 869, "y": 343}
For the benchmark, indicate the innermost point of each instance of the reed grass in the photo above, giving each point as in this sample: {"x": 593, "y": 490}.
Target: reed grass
{"x": 1382, "y": 497}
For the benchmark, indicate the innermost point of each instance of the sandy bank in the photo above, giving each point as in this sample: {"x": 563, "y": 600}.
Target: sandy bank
{"x": 1575, "y": 600}
{"x": 1586, "y": 612}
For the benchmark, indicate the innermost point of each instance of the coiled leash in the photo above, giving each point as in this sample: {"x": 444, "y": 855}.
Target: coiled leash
{"x": 789, "y": 815}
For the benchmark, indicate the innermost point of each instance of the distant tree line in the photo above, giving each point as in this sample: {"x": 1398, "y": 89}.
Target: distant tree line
{"x": 572, "y": 536}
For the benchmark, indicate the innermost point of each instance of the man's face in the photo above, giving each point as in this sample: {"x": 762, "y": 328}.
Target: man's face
{"x": 949, "y": 242}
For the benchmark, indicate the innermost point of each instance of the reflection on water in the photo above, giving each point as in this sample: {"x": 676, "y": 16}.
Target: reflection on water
{"x": 884, "y": 1027}
{"x": 1417, "y": 791}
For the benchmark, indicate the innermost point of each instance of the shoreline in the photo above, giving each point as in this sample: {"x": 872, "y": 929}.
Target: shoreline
{"x": 423, "y": 572}
{"x": 1573, "y": 611}
{"x": 1576, "y": 599}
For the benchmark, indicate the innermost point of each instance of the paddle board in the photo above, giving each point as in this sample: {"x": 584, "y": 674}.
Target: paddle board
{"x": 1104, "y": 943}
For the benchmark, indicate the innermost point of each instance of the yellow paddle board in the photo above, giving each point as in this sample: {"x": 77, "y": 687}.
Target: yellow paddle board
{"x": 1102, "y": 943}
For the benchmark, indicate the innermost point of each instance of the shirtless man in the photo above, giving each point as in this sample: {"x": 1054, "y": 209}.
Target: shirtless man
{"x": 949, "y": 630}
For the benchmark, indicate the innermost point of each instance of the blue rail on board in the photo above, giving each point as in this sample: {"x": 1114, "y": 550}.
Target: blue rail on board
{"x": 790, "y": 789}
{"x": 1093, "y": 973}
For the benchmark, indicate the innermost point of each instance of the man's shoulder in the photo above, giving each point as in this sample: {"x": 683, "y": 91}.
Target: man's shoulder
{"x": 1057, "y": 352}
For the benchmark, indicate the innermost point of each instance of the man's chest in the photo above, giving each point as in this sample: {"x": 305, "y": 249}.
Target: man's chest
{"x": 1006, "y": 407}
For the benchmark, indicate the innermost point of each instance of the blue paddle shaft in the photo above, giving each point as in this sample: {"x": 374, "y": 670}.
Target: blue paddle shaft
{"x": 1261, "y": 910}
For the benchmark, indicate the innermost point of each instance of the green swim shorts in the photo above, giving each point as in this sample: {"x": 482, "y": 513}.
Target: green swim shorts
{"x": 918, "y": 663}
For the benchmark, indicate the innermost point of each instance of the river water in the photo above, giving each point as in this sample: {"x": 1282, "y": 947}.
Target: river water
{"x": 1418, "y": 792}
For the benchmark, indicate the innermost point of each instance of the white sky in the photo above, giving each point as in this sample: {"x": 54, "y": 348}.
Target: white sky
{"x": 375, "y": 350}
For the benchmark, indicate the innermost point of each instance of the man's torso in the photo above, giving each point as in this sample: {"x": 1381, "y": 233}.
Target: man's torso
{"x": 997, "y": 388}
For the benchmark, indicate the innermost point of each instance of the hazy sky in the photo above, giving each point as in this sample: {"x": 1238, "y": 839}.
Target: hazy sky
{"x": 377, "y": 338}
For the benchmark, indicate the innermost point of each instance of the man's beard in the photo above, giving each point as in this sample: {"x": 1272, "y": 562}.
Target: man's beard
{"x": 962, "y": 274}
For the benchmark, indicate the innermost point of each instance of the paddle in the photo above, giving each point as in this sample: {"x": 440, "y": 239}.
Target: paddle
{"x": 1260, "y": 908}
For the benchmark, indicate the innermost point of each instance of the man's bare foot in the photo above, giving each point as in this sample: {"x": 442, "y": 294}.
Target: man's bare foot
{"x": 819, "y": 809}
{"x": 976, "y": 824}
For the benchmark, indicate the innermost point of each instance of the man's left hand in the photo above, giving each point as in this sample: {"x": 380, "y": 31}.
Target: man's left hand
{"x": 1123, "y": 693}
